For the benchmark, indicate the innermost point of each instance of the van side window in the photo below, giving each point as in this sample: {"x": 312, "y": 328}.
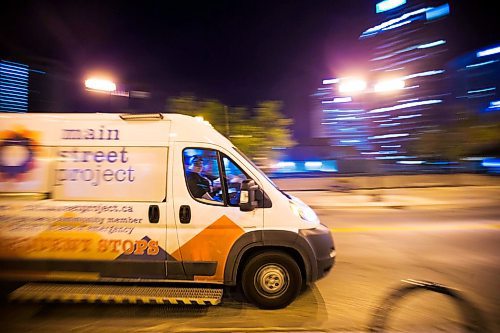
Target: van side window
{"x": 201, "y": 169}
{"x": 234, "y": 177}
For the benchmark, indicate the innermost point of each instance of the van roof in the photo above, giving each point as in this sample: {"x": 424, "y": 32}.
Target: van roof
{"x": 91, "y": 129}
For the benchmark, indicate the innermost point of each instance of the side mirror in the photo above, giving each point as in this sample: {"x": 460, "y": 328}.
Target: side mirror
{"x": 248, "y": 201}
{"x": 262, "y": 198}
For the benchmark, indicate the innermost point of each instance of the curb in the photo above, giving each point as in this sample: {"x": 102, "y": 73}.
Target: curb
{"x": 402, "y": 206}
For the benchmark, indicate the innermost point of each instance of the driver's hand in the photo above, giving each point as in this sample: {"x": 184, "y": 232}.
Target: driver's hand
{"x": 216, "y": 183}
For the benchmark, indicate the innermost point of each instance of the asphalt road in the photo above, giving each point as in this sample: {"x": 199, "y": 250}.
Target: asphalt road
{"x": 376, "y": 249}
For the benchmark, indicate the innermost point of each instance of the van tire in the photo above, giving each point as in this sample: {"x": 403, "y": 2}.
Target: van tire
{"x": 271, "y": 280}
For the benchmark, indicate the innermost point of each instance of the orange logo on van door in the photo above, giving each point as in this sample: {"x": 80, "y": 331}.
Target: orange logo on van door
{"x": 212, "y": 244}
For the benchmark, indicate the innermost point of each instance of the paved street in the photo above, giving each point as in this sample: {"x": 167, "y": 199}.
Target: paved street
{"x": 403, "y": 198}
{"x": 377, "y": 247}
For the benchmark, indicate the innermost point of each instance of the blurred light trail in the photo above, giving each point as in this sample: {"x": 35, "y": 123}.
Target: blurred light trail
{"x": 382, "y": 152}
{"x": 436, "y": 43}
{"x": 346, "y": 118}
{"x": 376, "y": 29}
{"x": 491, "y": 163}
{"x": 386, "y": 136}
{"x": 330, "y": 81}
{"x": 321, "y": 93}
{"x": 343, "y": 111}
{"x": 481, "y": 90}
{"x": 338, "y": 100}
{"x": 494, "y": 105}
{"x": 389, "y": 125}
{"x": 408, "y": 116}
{"x": 406, "y": 61}
{"x": 410, "y": 162}
{"x": 411, "y": 48}
{"x": 412, "y": 87}
{"x": 386, "y": 5}
{"x": 393, "y": 157}
{"x": 290, "y": 167}
{"x": 406, "y": 105}
{"x": 481, "y": 64}
{"x": 285, "y": 165}
{"x": 427, "y": 73}
{"x": 488, "y": 52}
{"x": 408, "y": 100}
{"x": 140, "y": 94}
{"x": 474, "y": 158}
{"x": 313, "y": 165}
{"x": 100, "y": 85}
{"x": 389, "y": 85}
{"x": 395, "y": 69}
{"x": 394, "y": 26}
{"x": 342, "y": 99}
{"x": 437, "y": 12}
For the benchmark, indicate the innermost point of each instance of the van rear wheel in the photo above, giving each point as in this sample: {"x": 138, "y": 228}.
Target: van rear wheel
{"x": 271, "y": 280}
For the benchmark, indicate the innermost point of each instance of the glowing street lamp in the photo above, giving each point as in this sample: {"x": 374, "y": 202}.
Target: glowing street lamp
{"x": 100, "y": 85}
{"x": 352, "y": 85}
{"x": 389, "y": 85}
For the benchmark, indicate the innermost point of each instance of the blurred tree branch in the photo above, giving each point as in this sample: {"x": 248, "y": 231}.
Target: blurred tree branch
{"x": 467, "y": 136}
{"x": 262, "y": 133}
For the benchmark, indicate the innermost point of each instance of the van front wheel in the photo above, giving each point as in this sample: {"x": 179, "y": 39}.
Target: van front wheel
{"x": 271, "y": 280}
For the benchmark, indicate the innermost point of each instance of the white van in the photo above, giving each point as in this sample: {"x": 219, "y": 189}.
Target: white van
{"x": 109, "y": 201}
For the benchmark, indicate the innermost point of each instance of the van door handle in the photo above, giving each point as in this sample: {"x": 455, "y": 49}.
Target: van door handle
{"x": 185, "y": 214}
{"x": 154, "y": 214}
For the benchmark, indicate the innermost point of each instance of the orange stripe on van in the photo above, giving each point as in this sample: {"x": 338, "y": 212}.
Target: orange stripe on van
{"x": 212, "y": 244}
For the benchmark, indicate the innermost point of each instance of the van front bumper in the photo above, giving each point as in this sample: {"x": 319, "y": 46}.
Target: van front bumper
{"x": 321, "y": 242}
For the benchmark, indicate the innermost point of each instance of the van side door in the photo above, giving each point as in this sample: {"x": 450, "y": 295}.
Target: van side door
{"x": 206, "y": 183}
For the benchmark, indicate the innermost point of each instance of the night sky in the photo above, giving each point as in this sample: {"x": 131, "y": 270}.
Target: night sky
{"x": 237, "y": 52}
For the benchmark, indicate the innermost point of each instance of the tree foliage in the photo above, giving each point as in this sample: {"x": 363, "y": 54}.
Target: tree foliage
{"x": 467, "y": 136}
{"x": 262, "y": 133}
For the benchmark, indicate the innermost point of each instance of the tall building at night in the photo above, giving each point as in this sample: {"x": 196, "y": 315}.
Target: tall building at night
{"x": 46, "y": 85}
{"x": 404, "y": 90}
{"x": 13, "y": 86}
{"x": 23, "y": 88}
{"x": 475, "y": 78}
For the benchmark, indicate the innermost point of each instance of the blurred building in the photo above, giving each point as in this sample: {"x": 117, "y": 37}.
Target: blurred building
{"x": 14, "y": 84}
{"x": 475, "y": 79}
{"x": 34, "y": 84}
{"x": 404, "y": 91}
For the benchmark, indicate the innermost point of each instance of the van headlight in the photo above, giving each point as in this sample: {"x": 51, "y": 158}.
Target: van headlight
{"x": 303, "y": 211}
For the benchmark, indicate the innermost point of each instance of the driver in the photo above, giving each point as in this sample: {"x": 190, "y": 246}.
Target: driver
{"x": 199, "y": 184}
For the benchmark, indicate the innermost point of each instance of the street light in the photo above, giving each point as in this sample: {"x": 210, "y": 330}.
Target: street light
{"x": 100, "y": 85}
{"x": 352, "y": 85}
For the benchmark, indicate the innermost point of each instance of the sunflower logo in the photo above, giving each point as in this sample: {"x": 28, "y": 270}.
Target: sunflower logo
{"x": 18, "y": 149}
